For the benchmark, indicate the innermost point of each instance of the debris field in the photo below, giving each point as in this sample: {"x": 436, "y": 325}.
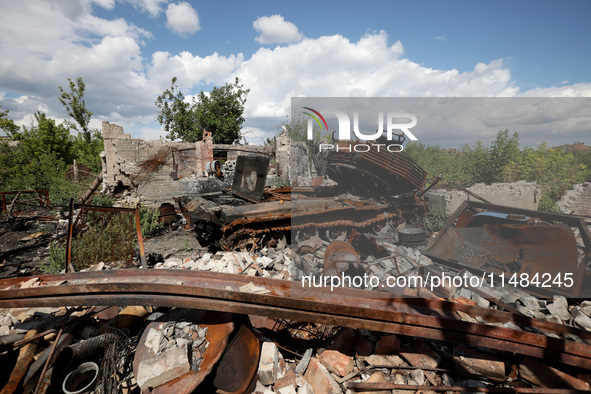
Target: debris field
{"x": 304, "y": 289}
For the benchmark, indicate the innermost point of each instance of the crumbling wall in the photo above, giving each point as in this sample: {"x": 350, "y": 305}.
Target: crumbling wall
{"x": 233, "y": 151}
{"x": 577, "y": 201}
{"x": 158, "y": 171}
{"x": 519, "y": 194}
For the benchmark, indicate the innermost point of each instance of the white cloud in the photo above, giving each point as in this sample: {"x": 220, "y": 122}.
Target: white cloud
{"x": 43, "y": 43}
{"x": 152, "y": 7}
{"x": 371, "y": 67}
{"x": 106, "y": 4}
{"x": 182, "y": 19}
{"x": 275, "y": 29}
{"x": 192, "y": 69}
{"x": 576, "y": 90}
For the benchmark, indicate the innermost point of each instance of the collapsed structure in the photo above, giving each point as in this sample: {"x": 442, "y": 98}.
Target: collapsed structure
{"x": 269, "y": 267}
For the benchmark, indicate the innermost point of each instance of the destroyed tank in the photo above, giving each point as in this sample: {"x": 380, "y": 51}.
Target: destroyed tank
{"x": 373, "y": 189}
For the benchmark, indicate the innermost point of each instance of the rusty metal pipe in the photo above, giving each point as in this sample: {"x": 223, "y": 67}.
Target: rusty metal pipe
{"x": 140, "y": 238}
{"x": 368, "y": 386}
{"x": 289, "y": 300}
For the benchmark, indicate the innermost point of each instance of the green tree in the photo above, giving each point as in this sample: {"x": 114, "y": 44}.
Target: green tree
{"x": 6, "y": 124}
{"x": 503, "y": 150}
{"x": 40, "y": 157}
{"x": 219, "y": 112}
{"x": 76, "y": 107}
{"x": 176, "y": 114}
{"x": 582, "y": 154}
{"x": 553, "y": 169}
{"x": 474, "y": 163}
{"x": 88, "y": 144}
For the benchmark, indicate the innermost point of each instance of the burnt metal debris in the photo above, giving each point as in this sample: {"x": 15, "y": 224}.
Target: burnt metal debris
{"x": 284, "y": 213}
{"x": 390, "y": 173}
{"x": 431, "y": 319}
{"x": 43, "y": 197}
{"x": 83, "y": 209}
{"x": 488, "y": 238}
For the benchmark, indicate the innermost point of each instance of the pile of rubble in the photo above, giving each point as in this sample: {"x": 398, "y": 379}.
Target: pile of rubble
{"x": 353, "y": 360}
{"x": 370, "y": 362}
{"x": 177, "y": 349}
{"x": 269, "y": 263}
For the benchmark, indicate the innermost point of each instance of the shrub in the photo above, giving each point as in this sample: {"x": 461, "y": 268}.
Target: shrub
{"x": 110, "y": 237}
{"x": 435, "y": 218}
{"x": 547, "y": 204}
{"x": 149, "y": 221}
{"x": 57, "y": 258}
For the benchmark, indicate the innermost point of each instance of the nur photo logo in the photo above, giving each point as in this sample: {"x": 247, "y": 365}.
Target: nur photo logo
{"x": 394, "y": 121}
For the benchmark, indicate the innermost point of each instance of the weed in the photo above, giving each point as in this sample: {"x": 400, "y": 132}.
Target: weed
{"x": 149, "y": 221}
{"x": 57, "y": 258}
{"x": 547, "y": 204}
{"x": 435, "y": 218}
{"x": 109, "y": 237}
{"x": 186, "y": 246}
{"x": 282, "y": 182}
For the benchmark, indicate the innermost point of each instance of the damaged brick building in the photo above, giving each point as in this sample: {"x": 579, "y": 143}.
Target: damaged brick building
{"x": 160, "y": 170}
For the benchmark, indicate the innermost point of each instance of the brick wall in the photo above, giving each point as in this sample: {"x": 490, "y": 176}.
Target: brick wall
{"x": 519, "y": 194}
{"x": 577, "y": 201}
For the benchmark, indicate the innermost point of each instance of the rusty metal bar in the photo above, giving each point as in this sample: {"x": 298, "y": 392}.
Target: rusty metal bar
{"x": 69, "y": 266}
{"x": 48, "y": 361}
{"x": 408, "y": 324}
{"x": 424, "y": 306}
{"x": 97, "y": 208}
{"x": 36, "y": 336}
{"x": 211, "y": 291}
{"x": 140, "y": 238}
{"x": 476, "y": 196}
{"x": 368, "y": 386}
{"x": 95, "y": 184}
{"x": 39, "y": 193}
{"x": 431, "y": 186}
{"x": 46, "y": 192}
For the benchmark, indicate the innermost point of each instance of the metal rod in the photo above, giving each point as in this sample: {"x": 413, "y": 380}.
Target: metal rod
{"x": 48, "y": 361}
{"x": 140, "y": 239}
{"x": 37, "y": 336}
{"x": 69, "y": 266}
{"x": 367, "y": 386}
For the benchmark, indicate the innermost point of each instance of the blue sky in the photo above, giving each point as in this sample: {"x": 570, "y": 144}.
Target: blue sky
{"x": 127, "y": 52}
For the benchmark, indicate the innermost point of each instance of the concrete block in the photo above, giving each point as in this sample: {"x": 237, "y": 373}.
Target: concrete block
{"x": 268, "y": 363}
{"x": 336, "y": 362}
{"x": 163, "y": 367}
{"x": 389, "y": 361}
{"x": 377, "y": 377}
{"x": 320, "y": 379}
{"x": 420, "y": 355}
{"x": 479, "y": 364}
